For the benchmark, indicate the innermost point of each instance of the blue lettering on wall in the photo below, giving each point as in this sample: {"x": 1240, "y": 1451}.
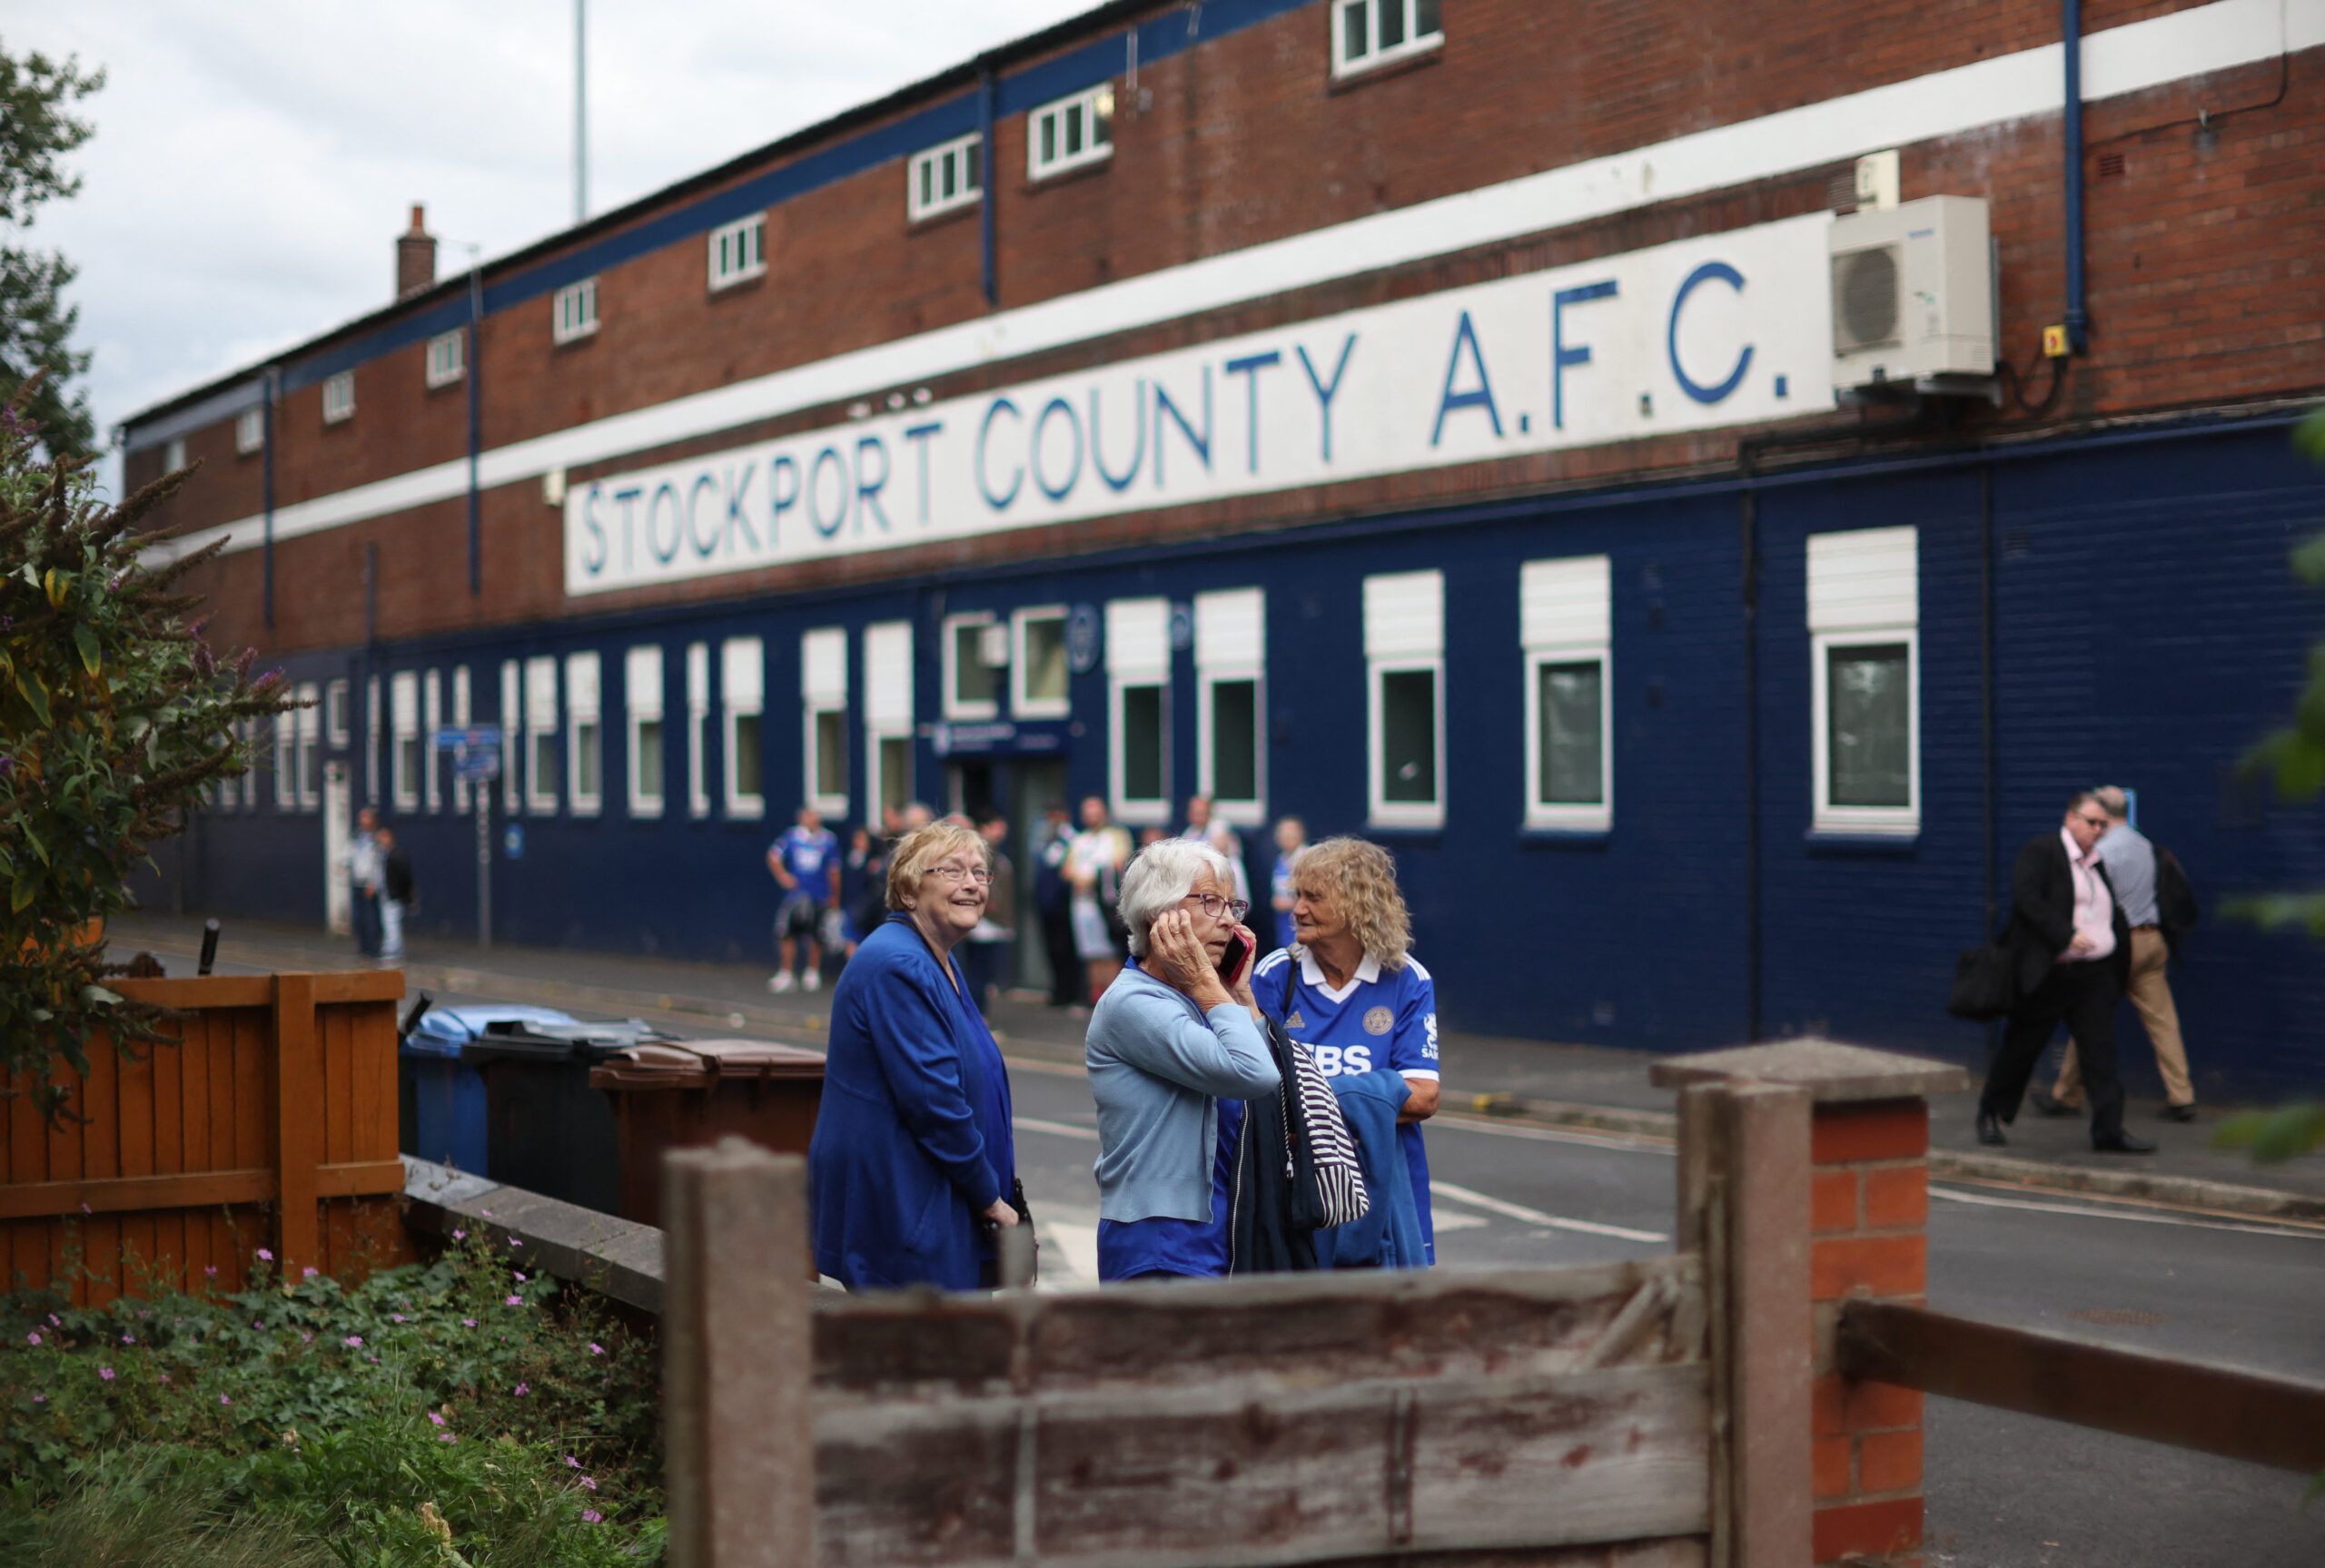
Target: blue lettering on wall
{"x": 867, "y": 490}
{"x": 1562, "y": 356}
{"x": 780, "y": 499}
{"x": 1249, "y": 366}
{"x": 702, "y": 547}
{"x": 738, "y": 521}
{"x": 627, "y": 500}
{"x": 1478, "y": 397}
{"x": 1040, "y": 425}
{"x": 1710, "y": 272}
{"x": 1000, "y": 503}
{"x": 593, "y": 558}
{"x": 918, "y": 436}
{"x": 654, "y": 522}
{"x": 839, "y": 492}
{"x": 1326, "y": 390}
{"x": 1201, "y": 445}
{"x": 1097, "y": 439}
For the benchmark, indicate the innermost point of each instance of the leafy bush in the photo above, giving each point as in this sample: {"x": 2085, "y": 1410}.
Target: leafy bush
{"x": 463, "y": 1413}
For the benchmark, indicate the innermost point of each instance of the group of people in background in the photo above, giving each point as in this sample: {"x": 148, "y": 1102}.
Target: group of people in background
{"x": 1259, "y": 1104}
{"x": 381, "y": 888}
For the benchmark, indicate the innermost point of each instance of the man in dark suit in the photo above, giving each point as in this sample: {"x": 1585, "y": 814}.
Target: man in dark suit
{"x": 2071, "y": 952}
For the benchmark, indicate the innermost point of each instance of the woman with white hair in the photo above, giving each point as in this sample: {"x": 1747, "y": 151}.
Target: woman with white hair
{"x": 1175, "y": 1046}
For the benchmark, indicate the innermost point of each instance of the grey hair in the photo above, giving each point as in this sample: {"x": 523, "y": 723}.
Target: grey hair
{"x": 1162, "y": 874}
{"x": 2114, "y": 801}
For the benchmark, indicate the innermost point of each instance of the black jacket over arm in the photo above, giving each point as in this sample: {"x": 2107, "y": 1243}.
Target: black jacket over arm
{"x": 2042, "y": 914}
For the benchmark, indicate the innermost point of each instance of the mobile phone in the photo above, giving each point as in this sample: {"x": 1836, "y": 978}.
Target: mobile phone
{"x": 1238, "y": 954}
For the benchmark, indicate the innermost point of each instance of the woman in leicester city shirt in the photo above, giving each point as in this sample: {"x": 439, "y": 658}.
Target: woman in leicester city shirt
{"x": 1351, "y": 991}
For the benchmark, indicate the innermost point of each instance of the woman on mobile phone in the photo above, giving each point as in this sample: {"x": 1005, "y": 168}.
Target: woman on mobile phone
{"x": 1174, "y": 1047}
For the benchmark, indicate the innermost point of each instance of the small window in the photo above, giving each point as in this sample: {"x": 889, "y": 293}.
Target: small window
{"x": 512, "y": 730}
{"x": 971, "y": 689}
{"x": 173, "y": 456}
{"x": 431, "y": 719}
{"x": 247, "y": 729}
{"x": 403, "y": 754}
{"x": 544, "y": 765}
{"x": 944, "y": 178}
{"x": 461, "y": 712}
{"x": 1070, "y": 132}
{"x": 283, "y": 751}
{"x": 338, "y": 398}
{"x": 1863, "y": 624}
{"x": 1404, "y": 656}
{"x": 1138, "y": 708}
{"x": 742, "y": 676}
{"x": 822, "y": 701}
{"x": 1564, "y": 619}
{"x": 308, "y": 760}
{"x": 249, "y": 430}
{"x": 1037, "y": 669}
{"x": 335, "y": 713}
{"x": 698, "y": 729}
{"x": 1230, "y": 638}
{"x": 573, "y": 311}
{"x": 641, "y": 696}
{"x": 445, "y": 358}
{"x": 887, "y": 716}
{"x": 737, "y": 250}
{"x": 584, "y": 736}
{"x": 1369, "y": 32}
{"x": 372, "y": 719}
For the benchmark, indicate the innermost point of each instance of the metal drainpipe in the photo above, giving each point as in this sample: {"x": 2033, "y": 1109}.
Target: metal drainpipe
{"x": 985, "y": 159}
{"x": 476, "y": 397}
{"x": 266, "y": 498}
{"x": 2078, "y": 322}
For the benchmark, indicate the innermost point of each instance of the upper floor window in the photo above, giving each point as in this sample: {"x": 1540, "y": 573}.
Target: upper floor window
{"x": 173, "y": 456}
{"x": 1369, "y": 32}
{"x": 1566, "y": 626}
{"x": 1037, "y": 669}
{"x": 445, "y": 358}
{"x": 737, "y": 250}
{"x": 335, "y": 713}
{"x": 1071, "y": 132}
{"x": 969, "y": 659}
{"x": 1864, "y": 636}
{"x": 338, "y": 398}
{"x": 1404, "y": 656}
{"x": 946, "y": 177}
{"x": 574, "y": 311}
{"x": 249, "y": 430}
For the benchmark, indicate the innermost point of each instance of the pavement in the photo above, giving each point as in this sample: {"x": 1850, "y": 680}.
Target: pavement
{"x": 1544, "y": 1083}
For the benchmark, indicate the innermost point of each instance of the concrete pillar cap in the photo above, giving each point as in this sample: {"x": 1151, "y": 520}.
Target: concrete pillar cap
{"x": 1833, "y": 1073}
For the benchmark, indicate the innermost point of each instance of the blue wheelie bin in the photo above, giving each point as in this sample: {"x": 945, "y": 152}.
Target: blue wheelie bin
{"x": 442, "y": 1111}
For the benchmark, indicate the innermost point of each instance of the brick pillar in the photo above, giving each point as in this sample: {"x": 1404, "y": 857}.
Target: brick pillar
{"x": 1869, "y": 1217}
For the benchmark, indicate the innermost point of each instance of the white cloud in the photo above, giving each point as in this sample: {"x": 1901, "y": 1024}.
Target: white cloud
{"x": 253, "y": 162}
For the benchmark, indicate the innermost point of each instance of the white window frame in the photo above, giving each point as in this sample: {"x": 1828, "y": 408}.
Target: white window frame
{"x": 1097, "y": 106}
{"x": 404, "y": 703}
{"x": 823, "y": 689}
{"x": 174, "y": 455}
{"x": 1373, "y": 58}
{"x": 1138, "y": 654}
{"x": 338, "y": 398}
{"x": 737, "y": 251}
{"x": 308, "y": 764}
{"x": 279, "y": 755}
{"x": 541, "y": 720}
{"x": 335, "y": 712}
{"x": 431, "y": 720}
{"x": 948, "y": 661}
{"x": 512, "y": 737}
{"x": 250, "y": 431}
{"x": 1023, "y": 703}
{"x": 1566, "y": 618}
{"x": 374, "y": 716}
{"x": 573, "y": 311}
{"x": 584, "y": 718}
{"x": 642, "y": 703}
{"x": 462, "y": 706}
{"x": 887, "y": 707}
{"x": 742, "y": 694}
{"x": 1231, "y": 647}
{"x": 1404, "y": 633}
{"x": 697, "y": 728}
{"x": 1863, "y": 591}
{"x": 248, "y": 730}
{"x": 447, "y": 358}
{"x": 930, "y": 167}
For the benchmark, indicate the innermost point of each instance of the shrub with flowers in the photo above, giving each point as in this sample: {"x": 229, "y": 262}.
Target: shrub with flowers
{"x": 442, "y": 1416}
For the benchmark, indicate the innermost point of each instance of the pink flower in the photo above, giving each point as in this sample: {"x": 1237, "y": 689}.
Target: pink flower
{"x": 33, "y": 1337}
{"x": 129, "y": 1339}
{"x": 524, "y": 1388}
{"x": 446, "y": 1437}
{"x": 591, "y": 1516}
{"x": 306, "y": 1274}
{"x": 305, "y": 1337}
{"x": 40, "y": 1398}
{"x": 395, "y": 1317}
{"x": 514, "y": 1301}
{"x": 595, "y": 1348}
{"x": 515, "y": 1241}
{"x": 486, "y": 1212}
{"x": 588, "y": 1484}
{"x": 468, "y": 1323}
{"x": 521, "y": 1276}
{"x": 210, "y": 1271}
{"x": 571, "y": 1463}
{"x": 225, "y": 1399}
{"x": 165, "y": 1377}
{"x": 435, "y": 1418}
{"x": 459, "y": 1236}
{"x": 106, "y": 1373}
{"x": 264, "y": 1256}
{"x": 353, "y": 1341}
{"x": 85, "y": 1209}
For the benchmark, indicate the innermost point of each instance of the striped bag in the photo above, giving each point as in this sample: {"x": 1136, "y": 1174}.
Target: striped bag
{"x": 1327, "y": 1181}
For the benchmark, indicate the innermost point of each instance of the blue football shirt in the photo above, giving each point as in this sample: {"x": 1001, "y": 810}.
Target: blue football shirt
{"x": 1382, "y": 1018}
{"x": 808, "y": 856}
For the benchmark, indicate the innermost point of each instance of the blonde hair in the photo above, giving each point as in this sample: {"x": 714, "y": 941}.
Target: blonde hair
{"x": 923, "y": 847}
{"x": 1363, "y": 879}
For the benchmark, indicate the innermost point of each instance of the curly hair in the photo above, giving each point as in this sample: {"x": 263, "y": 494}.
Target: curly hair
{"x": 1363, "y": 881}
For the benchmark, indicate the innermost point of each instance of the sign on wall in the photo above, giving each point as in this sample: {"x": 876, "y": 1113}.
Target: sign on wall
{"x": 1725, "y": 330}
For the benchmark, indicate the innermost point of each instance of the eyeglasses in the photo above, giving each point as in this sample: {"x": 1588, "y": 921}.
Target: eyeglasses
{"x": 2092, "y": 821}
{"x": 1214, "y": 905}
{"x": 957, "y": 874}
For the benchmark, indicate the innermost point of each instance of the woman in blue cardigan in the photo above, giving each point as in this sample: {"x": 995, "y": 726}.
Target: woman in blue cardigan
{"x": 913, "y": 1167}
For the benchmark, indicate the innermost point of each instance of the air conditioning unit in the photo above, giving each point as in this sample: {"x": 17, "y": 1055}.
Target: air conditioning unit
{"x": 1913, "y": 297}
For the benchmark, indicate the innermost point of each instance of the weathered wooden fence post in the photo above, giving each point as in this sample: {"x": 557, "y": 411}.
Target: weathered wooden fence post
{"x": 1866, "y": 1206}
{"x": 737, "y": 1358}
{"x": 297, "y": 1124}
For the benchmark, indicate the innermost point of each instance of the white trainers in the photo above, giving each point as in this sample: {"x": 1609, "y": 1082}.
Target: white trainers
{"x": 779, "y": 982}
{"x": 812, "y": 979}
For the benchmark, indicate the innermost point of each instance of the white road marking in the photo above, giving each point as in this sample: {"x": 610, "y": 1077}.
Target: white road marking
{"x": 1627, "y": 1143}
{"x": 1519, "y": 1211}
{"x": 1984, "y": 1201}
{"x": 1055, "y": 1128}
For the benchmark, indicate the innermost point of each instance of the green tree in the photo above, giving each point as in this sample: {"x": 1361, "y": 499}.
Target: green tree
{"x": 37, "y": 130}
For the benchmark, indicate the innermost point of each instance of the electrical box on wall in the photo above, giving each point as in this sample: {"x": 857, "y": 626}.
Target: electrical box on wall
{"x": 1914, "y": 298}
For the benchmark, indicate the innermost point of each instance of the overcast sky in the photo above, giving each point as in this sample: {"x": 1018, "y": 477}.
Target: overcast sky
{"x": 255, "y": 159}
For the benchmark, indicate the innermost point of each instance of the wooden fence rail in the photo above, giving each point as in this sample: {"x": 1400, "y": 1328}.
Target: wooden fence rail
{"x": 270, "y": 1120}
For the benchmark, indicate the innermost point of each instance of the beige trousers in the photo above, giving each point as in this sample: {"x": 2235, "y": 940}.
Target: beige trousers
{"x": 2151, "y": 996}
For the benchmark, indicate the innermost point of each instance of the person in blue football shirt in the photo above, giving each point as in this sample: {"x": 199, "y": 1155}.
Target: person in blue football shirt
{"x": 1291, "y": 838}
{"x": 1351, "y": 991}
{"x": 806, "y": 863}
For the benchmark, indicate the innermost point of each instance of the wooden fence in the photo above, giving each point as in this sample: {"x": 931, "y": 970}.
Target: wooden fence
{"x": 269, "y": 1122}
